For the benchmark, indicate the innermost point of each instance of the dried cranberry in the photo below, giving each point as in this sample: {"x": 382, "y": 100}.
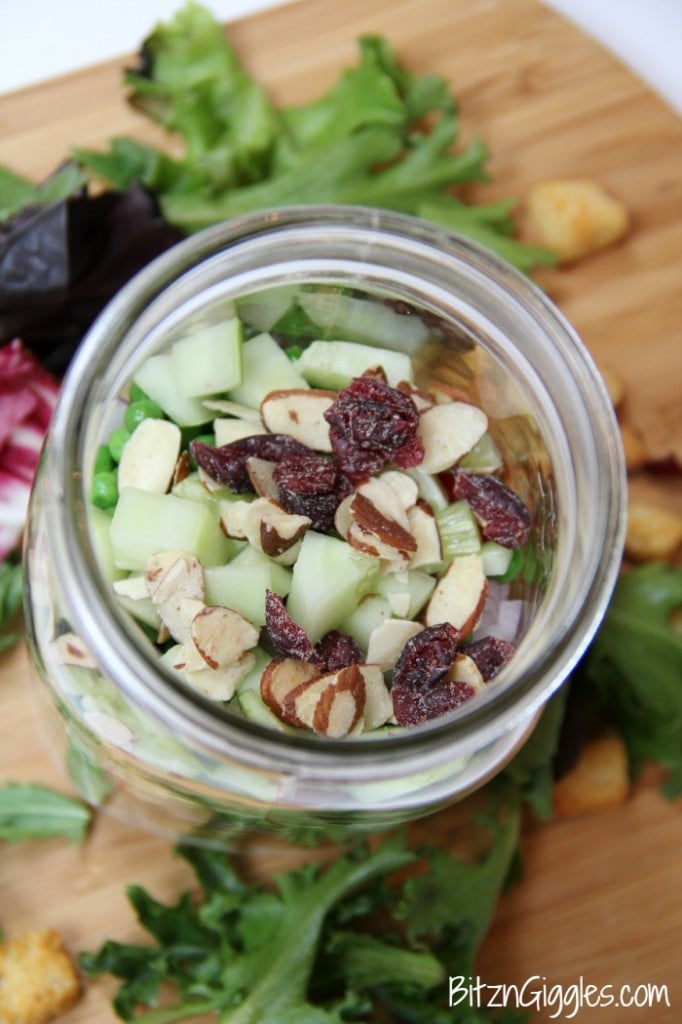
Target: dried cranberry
{"x": 227, "y": 464}
{"x": 490, "y": 655}
{"x": 287, "y": 636}
{"x": 311, "y": 485}
{"x": 337, "y": 650}
{"x": 333, "y": 652}
{"x": 413, "y": 708}
{"x": 500, "y": 513}
{"x": 370, "y": 424}
{"x": 419, "y": 691}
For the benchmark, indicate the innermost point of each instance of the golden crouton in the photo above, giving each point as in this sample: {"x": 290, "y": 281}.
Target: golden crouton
{"x": 653, "y": 534}
{"x": 38, "y": 979}
{"x": 598, "y": 781}
{"x": 574, "y": 217}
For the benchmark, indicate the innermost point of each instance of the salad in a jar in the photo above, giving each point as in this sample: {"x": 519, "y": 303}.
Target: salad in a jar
{"x": 308, "y": 532}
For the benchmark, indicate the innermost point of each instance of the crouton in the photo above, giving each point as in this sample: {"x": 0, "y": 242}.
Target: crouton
{"x": 574, "y": 217}
{"x": 598, "y": 781}
{"x": 38, "y": 979}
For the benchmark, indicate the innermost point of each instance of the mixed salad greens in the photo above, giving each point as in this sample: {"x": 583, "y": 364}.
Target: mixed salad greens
{"x": 383, "y": 136}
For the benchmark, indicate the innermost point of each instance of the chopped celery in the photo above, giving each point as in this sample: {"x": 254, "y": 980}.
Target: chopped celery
{"x": 366, "y": 320}
{"x": 458, "y": 530}
{"x": 429, "y": 488}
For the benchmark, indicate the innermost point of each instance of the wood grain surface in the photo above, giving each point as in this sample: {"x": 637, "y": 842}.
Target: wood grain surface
{"x": 602, "y": 897}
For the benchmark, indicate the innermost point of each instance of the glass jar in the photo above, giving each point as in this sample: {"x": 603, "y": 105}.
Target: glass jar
{"x": 154, "y": 751}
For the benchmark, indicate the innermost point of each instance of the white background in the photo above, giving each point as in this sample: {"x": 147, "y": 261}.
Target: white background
{"x": 43, "y": 38}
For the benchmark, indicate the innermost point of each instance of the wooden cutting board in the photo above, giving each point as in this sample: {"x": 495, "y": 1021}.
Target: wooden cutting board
{"x": 602, "y": 898}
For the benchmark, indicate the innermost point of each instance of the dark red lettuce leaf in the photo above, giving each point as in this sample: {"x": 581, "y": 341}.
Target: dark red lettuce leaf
{"x": 61, "y": 263}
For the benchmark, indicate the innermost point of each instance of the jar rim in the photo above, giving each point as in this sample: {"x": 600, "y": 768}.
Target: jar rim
{"x": 101, "y": 625}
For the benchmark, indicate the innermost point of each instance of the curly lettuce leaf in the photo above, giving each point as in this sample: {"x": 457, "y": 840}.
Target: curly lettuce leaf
{"x": 633, "y": 670}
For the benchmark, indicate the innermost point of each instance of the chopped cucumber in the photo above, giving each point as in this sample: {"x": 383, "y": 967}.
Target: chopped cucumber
{"x": 414, "y": 584}
{"x": 209, "y": 362}
{"x": 157, "y": 377}
{"x": 266, "y": 307}
{"x": 142, "y": 610}
{"x": 145, "y": 523}
{"x": 265, "y": 368}
{"x": 496, "y": 559}
{"x": 281, "y": 576}
{"x": 333, "y": 364}
{"x": 252, "y": 707}
{"x": 329, "y": 580}
{"x": 99, "y": 524}
{"x": 241, "y": 586}
{"x": 459, "y": 532}
{"x": 370, "y": 613}
{"x": 484, "y": 457}
{"x": 365, "y": 320}
{"x": 251, "y": 680}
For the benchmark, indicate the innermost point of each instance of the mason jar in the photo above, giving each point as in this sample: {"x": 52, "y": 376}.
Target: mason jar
{"x": 138, "y": 741}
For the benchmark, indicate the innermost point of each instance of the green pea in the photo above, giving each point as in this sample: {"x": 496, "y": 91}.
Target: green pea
{"x": 103, "y": 460}
{"x": 143, "y": 409}
{"x": 104, "y": 492}
{"x": 205, "y": 439}
{"x": 117, "y": 441}
{"x": 137, "y": 394}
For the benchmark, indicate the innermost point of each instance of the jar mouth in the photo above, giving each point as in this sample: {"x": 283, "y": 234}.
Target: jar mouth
{"x": 513, "y": 321}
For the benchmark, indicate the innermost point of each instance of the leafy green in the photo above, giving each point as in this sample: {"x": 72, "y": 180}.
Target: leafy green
{"x": 11, "y": 593}
{"x": 632, "y": 671}
{"x": 380, "y": 136}
{"x": 33, "y": 811}
{"x": 532, "y": 769}
{"x": 16, "y": 191}
{"x": 308, "y": 952}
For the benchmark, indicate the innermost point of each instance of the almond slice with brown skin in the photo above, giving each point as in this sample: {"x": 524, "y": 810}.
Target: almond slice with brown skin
{"x": 424, "y": 528}
{"x": 280, "y": 678}
{"x": 221, "y": 683}
{"x": 460, "y": 595}
{"x": 465, "y": 670}
{"x": 299, "y": 412}
{"x": 175, "y": 584}
{"x": 378, "y": 704}
{"x": 387, "y": 640}
{"x": 222, "y": 635}
{"x": 331, "y": 705}
{"x": 267, "y": 526}
{"x": 261, "y": 474}
{"x": 149, "y": 456}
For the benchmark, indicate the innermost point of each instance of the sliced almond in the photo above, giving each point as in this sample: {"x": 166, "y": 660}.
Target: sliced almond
{"x": 132, "y": 587}
{"x": 387, "y": 640}
{"x": 424, "y": 529}
{"x": 460, "y": 595}
{"x": 280, "y": 678}
{"x": 333, "y": 704}
{"x": 343, "y": 517}
{"x": 402, "y": 485}
{"x": 227, "y": 430}
{"x": 465, "y": 670}
{"x": 234, "y": 409}
{"x": 182, "y": 470}
{"x": 266, "y": 526}
{"x": 378, "y": 703}
{"x": 221, "y": 683}
{"x": 175, "y": 584}
{"x": 222, "y": 635}
{"x": 69, "y": 649}
{"x": 373, "y": 531}
{"x": 448, "y": 432}
{"x": 299, "y": 412}
{"x": 149, "y": 456}
{"x": 262, "y": 476}
{"x": 382, "y": 491}
{"x": 186, "y": 658}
